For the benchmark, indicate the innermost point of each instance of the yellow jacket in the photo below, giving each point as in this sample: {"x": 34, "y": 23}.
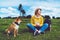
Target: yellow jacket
{"x": 35, "y": 20}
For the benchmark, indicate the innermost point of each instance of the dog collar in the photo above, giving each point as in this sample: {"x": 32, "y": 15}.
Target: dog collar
{"x": 16, "y": 23}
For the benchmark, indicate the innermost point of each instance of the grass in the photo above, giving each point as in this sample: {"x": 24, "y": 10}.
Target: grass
{"x": 25, "y": 35}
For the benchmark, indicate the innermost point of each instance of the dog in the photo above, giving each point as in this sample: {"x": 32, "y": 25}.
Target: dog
{"x": 14, "y": 27}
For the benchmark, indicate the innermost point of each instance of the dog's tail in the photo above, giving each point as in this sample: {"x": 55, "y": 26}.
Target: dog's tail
{"x": 7, "y": 31}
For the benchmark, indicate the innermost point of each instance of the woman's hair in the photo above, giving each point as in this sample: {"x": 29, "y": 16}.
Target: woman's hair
{"x": 36, "y": 11}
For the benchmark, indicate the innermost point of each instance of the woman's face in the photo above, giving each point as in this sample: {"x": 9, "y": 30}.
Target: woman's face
{"x": 39, "y": 13}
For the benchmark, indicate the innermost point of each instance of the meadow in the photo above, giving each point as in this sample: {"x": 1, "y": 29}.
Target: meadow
{"x": 24, "y": 34}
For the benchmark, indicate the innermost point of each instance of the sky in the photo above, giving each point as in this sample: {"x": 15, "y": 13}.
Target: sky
{"x": 10, "y": 7}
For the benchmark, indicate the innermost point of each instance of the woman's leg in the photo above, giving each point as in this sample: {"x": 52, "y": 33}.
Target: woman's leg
{"x": 43, "y": 28}
{"x": 30, "y": 26}
{"x": 33, "y": 28}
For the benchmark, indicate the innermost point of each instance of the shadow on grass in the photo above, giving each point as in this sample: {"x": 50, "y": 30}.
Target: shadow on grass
{"x": 21, "y": 31}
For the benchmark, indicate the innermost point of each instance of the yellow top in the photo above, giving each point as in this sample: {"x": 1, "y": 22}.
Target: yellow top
{"x": 37, "y": 20}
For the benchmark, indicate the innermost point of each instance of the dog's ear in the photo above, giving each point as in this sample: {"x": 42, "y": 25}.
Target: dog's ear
{"x": 17, "y": 19}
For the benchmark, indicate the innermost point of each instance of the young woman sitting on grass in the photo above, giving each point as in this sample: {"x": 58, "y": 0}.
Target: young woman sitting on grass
{"x": 37, "y": 23}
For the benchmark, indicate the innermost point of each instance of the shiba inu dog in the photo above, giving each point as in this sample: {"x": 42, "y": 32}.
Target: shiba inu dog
{"x": 14, "y": 27}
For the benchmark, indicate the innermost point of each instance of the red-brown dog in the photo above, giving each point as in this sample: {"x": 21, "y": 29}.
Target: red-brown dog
{"x": 14, "y": 27}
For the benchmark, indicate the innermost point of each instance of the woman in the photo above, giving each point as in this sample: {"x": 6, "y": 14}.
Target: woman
{"x": 37, "y": 23}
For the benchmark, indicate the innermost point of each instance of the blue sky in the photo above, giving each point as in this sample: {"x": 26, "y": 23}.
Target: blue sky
{"x": 10, "y": 7}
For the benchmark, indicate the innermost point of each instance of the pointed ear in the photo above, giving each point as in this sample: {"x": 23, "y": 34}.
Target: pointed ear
{"x": 16, "y": 20}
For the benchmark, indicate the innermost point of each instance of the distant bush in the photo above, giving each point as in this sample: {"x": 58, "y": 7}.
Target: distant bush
{"x": 0, "y": 17}
{"x": 53, "y": 17}
{"x": 7, "y": 17}
{"x": 29, "y": 16}
{"x": 57, "y": 17}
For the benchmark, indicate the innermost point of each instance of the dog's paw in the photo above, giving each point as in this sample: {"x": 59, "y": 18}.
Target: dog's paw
{"x": 14, "y": 35}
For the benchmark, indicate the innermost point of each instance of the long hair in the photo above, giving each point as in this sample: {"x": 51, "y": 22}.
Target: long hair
{"x": 36, "y": 11}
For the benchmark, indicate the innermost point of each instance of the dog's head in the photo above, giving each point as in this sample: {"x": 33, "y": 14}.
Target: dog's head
{"x": 18, "y": 20}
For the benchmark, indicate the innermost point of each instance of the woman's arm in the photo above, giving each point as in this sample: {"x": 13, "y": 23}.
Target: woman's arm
{"x": 42, "y": 20}
{"x": 32, "y": 21}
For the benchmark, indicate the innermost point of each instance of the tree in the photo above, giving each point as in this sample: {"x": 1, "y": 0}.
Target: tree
{"x": 53, "y": 17}
{"x": 21, "y": 10}
{"x": 29, "y": 16}
{"x": 57, "y": 17}
{"x": 0, "y": 17}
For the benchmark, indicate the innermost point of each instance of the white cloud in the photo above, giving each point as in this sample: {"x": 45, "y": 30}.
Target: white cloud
{"x": 4, "y": 12}
{"x": 47, "y": 5}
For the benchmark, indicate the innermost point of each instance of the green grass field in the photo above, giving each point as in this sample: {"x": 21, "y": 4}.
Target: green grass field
{"x": 25, "y": 35}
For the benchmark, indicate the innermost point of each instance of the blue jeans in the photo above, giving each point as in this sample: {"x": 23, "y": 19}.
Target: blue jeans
{"x": 42, "y": 29}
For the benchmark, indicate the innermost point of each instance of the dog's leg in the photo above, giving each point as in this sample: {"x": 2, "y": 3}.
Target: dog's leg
{"x": 7, "y": 31}
{"x": 15, "y": 33}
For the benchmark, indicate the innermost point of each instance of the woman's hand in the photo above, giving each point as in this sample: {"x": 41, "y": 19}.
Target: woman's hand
{"x": 37, "y": 24}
